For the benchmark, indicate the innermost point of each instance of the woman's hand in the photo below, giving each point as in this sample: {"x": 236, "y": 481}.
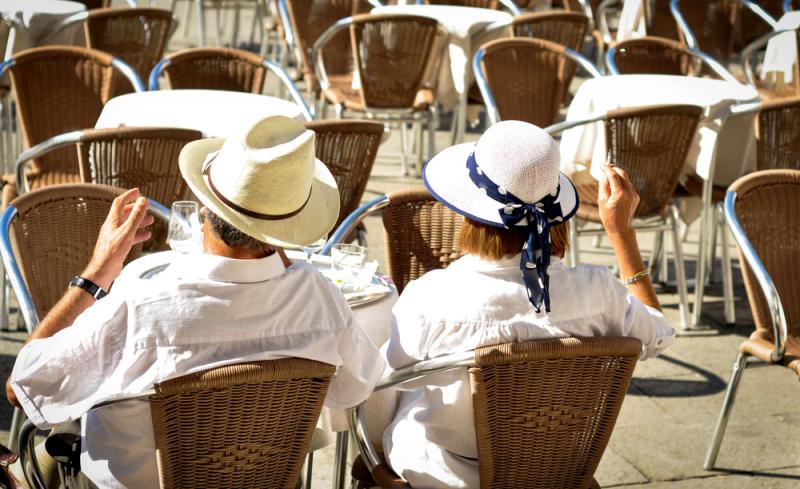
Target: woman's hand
{"x": 122, "y": 229}
{"x": 617, "y": 200}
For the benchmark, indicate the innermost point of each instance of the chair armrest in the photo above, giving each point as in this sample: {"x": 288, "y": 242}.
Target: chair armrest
{"x": 26, "y": 306}
{"x": 716, "y": 66}
{"x": 129, "y": 73}
{"x": 759, "y": 12}
{"x": 483, "y": 86}
{"x": 563, "y": 126}
{"x": 349, "y": 224}
{"x": 293, "y": 90}
{"x": 38, "y": 150}
{"x": 316, "y": 51}
{"x": 584, "y": 63}
{"x": 751, "y": 49}
{"x": 155, "y": 73}
{"x": 779, "y": 329}
{"x": 683, "y": 25}
{"x": 511, "y": 6}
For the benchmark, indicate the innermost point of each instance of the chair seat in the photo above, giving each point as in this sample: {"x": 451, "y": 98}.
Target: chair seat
{"x": 759, "y": 346}
{"x": 341, "y": 91}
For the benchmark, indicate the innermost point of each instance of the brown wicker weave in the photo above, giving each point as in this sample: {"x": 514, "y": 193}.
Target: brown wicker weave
{"x": 54, "y": 233}
{"x": 650, "y": 144}
{"x": 659, "y": 19}
{"x": 490, "y": 4}
{"x": 246, "y": 425}
{"x": 545, "y": 409}
{"x": 420, "y": 235}
{"x": 215, "y": 69}
{"x": 136, "y": 36}
{"x": 348, "y": 149}
{"x": 385, "y": 46}
{"x": 652, "y": 55}
{"x": 712, "y": 22}
{"x": 309, "y": 19}
{"x": 59, "y": 89}
{"x": 760, "y": 197}
{"x": 565, "y": 28}
{"x": 778, "y": 135}
{"x": 528, "y": 78}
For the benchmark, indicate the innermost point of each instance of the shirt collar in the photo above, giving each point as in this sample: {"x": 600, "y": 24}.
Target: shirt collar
{"x": 222, "y": 269}
{"x": 478, "y": 264}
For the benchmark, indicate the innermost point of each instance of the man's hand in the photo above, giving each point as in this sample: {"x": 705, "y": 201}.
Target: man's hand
{"x": 122, "y": 229}
{"x": 617, "y": 200}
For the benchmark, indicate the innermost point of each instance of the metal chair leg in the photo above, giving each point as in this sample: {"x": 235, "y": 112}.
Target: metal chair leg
{"x": 17, "y": 419}
{"x": 340, "y": 459}
{"x": 309, "y": 470}
{"x": 680, "y": 272}
{"x": 418, "y": 136}
{"x": 201, "y": 23}
{"x": 727, "y": 269}
{"x": 653, "y": 265}
{"x": 404, "y": 149}
{"x": 730, "y": 395}
{"x": 706, "y": 228}
{"x": 432, "y": 122}
{"x": 574, "y": 252}
{"x": 663, "y": 263}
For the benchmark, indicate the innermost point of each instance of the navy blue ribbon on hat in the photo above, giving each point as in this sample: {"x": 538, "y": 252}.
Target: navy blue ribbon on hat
{"x": 537, "y": 217}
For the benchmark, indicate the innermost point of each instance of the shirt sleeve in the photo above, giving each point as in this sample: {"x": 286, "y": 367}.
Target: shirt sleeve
{"x": 58, "y": 379}
{"x": 361, "y": 368}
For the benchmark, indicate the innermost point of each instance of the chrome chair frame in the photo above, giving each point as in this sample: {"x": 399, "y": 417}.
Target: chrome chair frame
{"x": 602, "y": 18}
{"x": 116, "y": 63}
{"x": 700, "y": 56}
{"x": 351, "y": 222}
{"x": 779, "y": 326}
{"x": 655, "y": 225}
{"x": 688, "y": 33}
{"x": 486, "y": 92}
{"x": 750, "y": 50}
{"x": 284, "y": 77}
{"x": 82, "y": 16}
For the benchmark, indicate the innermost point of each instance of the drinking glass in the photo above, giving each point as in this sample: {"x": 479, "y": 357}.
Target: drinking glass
{"x": 348, "y": 260}
{"x": 315, "y": 247}
{"x": 185, "y": 234}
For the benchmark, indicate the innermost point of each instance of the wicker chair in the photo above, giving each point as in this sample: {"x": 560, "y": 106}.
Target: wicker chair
{"x": 707, "y": 25}
{"x": 567, "y": 395}
{"x": 348, "y": 149}
{"x": 778, "y": 135}
{"x": 769, "y": 250}
{"x": 59, "y": 89}
{"x": 656, "y": 55}
{"x": 526, "y": 79}
{"x": 650, "y": 144}
{"x": 419, "y": 232}
{"x": 271, "y": 408}
{"x": 565, "y": 28}
{"x": 383, "y": 46}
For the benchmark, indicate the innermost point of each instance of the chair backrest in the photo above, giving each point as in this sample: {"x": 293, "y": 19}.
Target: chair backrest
{"x": 659, "y": 20}
{"x": 420, "y": 234}
{"x": 215, "y": 69}
{"x": 309, "y": 19}
{"x": 652, "y": 55}
{"x": 768, "y": 208}
{"x": 60, "y": 89}
{"x": 778, "y": 135}
{"x": 712, "y": 23}
{"x": 527, "y": 78}
{"x": 566, "y": 394}
{"x": 53, "y": 235}
{"x": 246, "y": 425}
{"x": 565, "y": 28}
{"x": 651, "y": 144}
{"x": 348, "y": 148}
{"x": 387, "y": 45}
{"x": 137, "y": 36}
{"x": 490, "y": 4}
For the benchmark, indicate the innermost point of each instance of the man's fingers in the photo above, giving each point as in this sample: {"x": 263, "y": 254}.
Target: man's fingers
{"x": 121, "y": 202}
{"x": 614, "y": 180}
{"x": 141, "y": 236}
{"x": 626, "y": 181}
{"x": 136, "y": 217}
{"x": 603, "y": 189}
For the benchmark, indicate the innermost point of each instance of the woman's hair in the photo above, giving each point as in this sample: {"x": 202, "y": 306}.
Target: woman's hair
{"x": 492, "y": 243}
{"x": 233, "y": 237}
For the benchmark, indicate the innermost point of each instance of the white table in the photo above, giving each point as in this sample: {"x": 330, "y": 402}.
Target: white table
{"x": 781, "y": 55}
{"x": 215, "y": 113}
{"x": 468, "y": 28}
{"x": 34, "y": 20}
{"x": 730, "y": 142}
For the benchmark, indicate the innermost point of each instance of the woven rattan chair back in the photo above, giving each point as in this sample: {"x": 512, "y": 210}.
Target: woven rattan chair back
{"x": 245, "y": 425}
{"x": 778, "y": 135}
{"x": 651, "y": 144}
{"x": 387, "y": 45}
{"x": 136, "y": 36}
{"x": 760, "y": 198}
{"x": 215, "y": 69}
{"x": 566, "y": 395}
{"x": 490, "y": 4}
{"x": 652, "y": 55}
{"x": 565, "y": 28}
{"x": 60, "y": 89}
{"x": 712, "y": 22}
{"x": 348, "y": 148}
{"x": 421, "y": 235}
{"x": 54, "y": 233}
{"x": 309, "y": 20}
{"x": 528, "y": 78}
{"x": 659, "y": 20}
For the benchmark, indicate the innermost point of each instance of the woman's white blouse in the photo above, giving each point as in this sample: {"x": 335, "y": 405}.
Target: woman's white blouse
{"x": 476, "y": 303}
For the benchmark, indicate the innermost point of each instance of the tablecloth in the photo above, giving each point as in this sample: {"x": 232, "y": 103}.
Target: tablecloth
{"x": 34, "y": 20}
{"x": 781, "y": 55}
{"x": 216, "y": 113}
{"x": 728, "y": 142}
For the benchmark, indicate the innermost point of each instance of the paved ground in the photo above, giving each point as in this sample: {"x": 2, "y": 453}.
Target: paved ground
{"x": 662, "y": 433}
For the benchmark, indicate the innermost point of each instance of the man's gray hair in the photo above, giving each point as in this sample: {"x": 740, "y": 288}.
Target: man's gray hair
{"x": 235, "y": 238}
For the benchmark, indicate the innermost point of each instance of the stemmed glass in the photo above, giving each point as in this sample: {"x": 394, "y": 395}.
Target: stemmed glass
{"x": 185, "y": 234}
{"x": 315, "y": 247}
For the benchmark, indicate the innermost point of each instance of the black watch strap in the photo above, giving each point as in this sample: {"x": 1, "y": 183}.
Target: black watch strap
{"x": 92, "y": 288}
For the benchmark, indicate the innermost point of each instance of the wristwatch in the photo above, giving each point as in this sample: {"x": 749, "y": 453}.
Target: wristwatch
{"x": 92, "y": 288}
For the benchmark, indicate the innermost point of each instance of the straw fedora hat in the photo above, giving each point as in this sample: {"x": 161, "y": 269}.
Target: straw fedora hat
{"x": 265, "y": 182}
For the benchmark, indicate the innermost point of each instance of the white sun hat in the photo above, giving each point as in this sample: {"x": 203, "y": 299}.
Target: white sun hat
{"x": 509, "y": 178}
{"x": 265, "y": 182}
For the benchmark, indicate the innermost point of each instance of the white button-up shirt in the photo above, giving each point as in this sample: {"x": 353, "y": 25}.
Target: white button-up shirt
{"x": 475, "y": 303}
{"x": 202, "y": 311}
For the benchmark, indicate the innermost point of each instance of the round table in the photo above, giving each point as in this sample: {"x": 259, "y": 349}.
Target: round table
{"x": 215, "y": 113}
{"x": 34, "y": 20}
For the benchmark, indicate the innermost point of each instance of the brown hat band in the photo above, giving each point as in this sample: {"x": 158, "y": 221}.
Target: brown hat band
{"x": 240, "y": 209}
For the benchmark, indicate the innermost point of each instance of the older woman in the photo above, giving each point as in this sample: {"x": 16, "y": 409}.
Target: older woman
{"x": 511, "y": 286}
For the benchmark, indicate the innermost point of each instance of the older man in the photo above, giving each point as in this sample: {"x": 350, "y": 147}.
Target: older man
{"x": 241, "y": 300}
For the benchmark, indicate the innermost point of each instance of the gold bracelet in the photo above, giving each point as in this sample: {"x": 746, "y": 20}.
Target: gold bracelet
{"x": 636, "y": 277}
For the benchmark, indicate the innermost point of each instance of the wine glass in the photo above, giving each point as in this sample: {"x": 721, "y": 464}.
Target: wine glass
{"x": 348, "y": 260}
{"x": 185, "y": 234}
{"x": 315, "y": 247}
